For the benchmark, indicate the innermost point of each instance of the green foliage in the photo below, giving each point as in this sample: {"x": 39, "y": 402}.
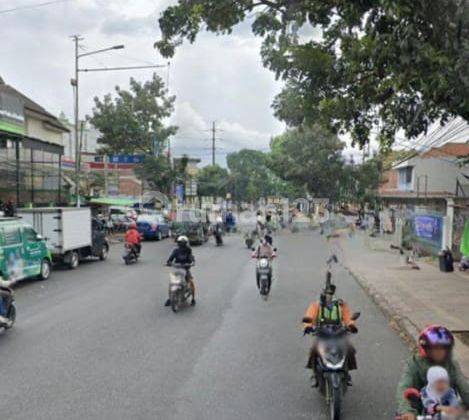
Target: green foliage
{"x": 213, "y": 180}
{"x": 310, "y": 157}
{"x": 252, "y": 178}
{"x": 354, "y": 66}
{"x": 156, "y": 171}
{"x": 132, "y": 120}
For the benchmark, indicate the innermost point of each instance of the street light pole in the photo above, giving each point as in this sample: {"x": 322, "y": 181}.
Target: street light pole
{"x": 76, "y": 39}
{"x": 75, "y": 83}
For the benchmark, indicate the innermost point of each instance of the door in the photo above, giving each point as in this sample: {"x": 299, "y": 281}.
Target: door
{"x": 33, "y": 252}
{"x": 98, "y": 236}
{"x": 13, "y": 252}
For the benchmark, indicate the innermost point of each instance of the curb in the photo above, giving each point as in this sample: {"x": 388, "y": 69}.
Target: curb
{"x": 403, "y": 326}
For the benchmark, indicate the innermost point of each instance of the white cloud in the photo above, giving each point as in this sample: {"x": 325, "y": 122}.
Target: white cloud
{"x": 217, "y": 78}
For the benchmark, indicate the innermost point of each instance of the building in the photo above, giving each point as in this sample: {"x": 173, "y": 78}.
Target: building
{"x": 426, "y": 198}
{"x": 30, "y": 150}
{"x": 188, "y": 193}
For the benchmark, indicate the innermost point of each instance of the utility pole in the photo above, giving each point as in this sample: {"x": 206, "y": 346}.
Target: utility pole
{"x": 75, "y": 83}
{"x": 76, "y": 40}
{"x": 214, "y": 139}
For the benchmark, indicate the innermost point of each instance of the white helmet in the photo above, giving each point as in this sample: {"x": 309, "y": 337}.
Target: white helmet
{"x": 183, "y": 239}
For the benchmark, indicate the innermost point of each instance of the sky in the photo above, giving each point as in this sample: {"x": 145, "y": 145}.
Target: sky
{"x": 219, "y": 78}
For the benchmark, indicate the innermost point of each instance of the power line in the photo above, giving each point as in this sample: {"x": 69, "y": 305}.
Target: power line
{"x": 32, "y": 6}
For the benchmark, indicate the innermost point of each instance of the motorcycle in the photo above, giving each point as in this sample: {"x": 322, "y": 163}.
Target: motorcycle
{"x": 218, "y": 236}
{"x": 331, "y": 364}
{"x": 264, "y": 275}
{"x": 11, "y": 312}
{"x": 131, "y": 254}
{"x": 179, "y": 290}
{"x": 414, "y": 397}
{"x": 249, "y": 239}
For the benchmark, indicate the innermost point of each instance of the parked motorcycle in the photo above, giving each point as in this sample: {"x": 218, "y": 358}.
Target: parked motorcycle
{"x": 131, "y": 254}
{"x": 331, "y": 364}
{"x": 179, "y": 290}
{"x": 11, "y": 312}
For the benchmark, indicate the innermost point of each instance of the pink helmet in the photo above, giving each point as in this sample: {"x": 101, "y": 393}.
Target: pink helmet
{"x": 435, "y": 335}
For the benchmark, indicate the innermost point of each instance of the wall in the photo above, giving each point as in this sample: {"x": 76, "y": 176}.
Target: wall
{"x": 36, "y": 129}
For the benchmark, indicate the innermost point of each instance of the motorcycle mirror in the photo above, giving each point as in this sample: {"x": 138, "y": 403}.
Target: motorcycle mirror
{"x": 412, "y": 395}
{"x": 307, "y": 320}
{"x": 355, "y": 316}
{"x": 275, "y": 249}
{"x": 253, "y": 249}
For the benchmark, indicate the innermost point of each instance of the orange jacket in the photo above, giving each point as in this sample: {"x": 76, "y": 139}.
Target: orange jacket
{"x": 132, "y": 237}
{"x": 314, "y": 309}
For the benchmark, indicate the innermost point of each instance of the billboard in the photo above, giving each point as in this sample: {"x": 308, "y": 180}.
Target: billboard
{"x": 428, "y": 229}
{"x": 11, "y": 113}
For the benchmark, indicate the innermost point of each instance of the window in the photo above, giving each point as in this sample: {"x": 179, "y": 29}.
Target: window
{"x": 12, "y": 235}
{"x": 29, "y": 234}
{"x": 405, "y": 178}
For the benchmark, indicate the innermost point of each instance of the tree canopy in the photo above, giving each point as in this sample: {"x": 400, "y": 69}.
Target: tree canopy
{"x": 355, "y": 66}
{"x": 309, "y": 157}
{"x": 132, "y": 121}
{"x": 213, "y": 180}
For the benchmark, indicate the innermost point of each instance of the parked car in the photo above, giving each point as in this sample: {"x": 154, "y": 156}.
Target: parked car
{"x": 23, "y": 252}
{"x": 153, "y": 226}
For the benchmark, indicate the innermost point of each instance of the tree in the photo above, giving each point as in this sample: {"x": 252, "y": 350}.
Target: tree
{"x": 252, "y": 178}
{"x": 213, "y": 181}
{"x": 157, "y": 172}
{"x": 132, "y": 120}
{"x": 355, "y": 66}
{"x": 309, "y": 157}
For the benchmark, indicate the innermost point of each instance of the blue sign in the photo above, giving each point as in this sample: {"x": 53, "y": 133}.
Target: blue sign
{"x": 429, "y": 229}
{"x": 122, "y": 159}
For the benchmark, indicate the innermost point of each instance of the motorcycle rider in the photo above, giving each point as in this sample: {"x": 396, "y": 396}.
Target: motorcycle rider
{"x": 183, "y": 255}
{"x": 435, "y": 348}
{"x": 263, "y": 250}
{"x": 133, "y": 238}
{"x": 5, "y": 300}
{"x": 329, "y": 310}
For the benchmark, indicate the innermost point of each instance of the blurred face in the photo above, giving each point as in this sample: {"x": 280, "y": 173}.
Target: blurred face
{"x": 441, "y": 386}
{"x": 329, "y": 297}
{"x": 438, "y": 354}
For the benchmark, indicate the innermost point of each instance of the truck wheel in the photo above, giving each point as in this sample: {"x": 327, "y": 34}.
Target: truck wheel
{"x": 104, "y": 252}
{"x": 45, "y": 270}
{"x": 74, "y": 260}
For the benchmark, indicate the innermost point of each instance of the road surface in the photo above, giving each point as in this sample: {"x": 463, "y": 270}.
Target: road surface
{"x": 97, "y": 343}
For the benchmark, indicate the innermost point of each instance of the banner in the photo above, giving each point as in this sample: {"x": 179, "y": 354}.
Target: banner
{"x": 11, "y": 114}
{"x": 429, "y": 229}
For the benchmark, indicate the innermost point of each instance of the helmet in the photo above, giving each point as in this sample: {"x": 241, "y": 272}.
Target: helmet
{"x": 182, "y": 240}
{"x": 435, "y": 335}
{"x": 133, "y": 225}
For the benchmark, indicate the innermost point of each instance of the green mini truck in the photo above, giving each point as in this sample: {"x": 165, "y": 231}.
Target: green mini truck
{"x": 23, "y": 253}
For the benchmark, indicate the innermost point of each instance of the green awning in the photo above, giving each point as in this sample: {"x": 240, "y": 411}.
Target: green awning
{"x": 113, "y": 201}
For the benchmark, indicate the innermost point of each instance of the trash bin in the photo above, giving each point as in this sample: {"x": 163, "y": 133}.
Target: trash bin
{"x": 446, "y": 261}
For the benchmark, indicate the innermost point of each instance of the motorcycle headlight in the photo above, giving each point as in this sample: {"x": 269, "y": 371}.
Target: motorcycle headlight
{"x": 332, "y": 356}
{"x": 174, "y": 279}
{"x": 263, "y": 263}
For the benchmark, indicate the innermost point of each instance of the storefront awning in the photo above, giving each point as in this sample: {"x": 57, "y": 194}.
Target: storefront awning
{"x": 113, "y": 201}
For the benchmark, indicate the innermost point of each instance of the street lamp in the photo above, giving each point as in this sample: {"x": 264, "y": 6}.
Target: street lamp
{"x": 74, "y": 83}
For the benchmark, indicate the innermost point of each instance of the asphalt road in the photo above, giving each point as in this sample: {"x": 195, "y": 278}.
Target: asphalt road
{"x": 97, "y": 343}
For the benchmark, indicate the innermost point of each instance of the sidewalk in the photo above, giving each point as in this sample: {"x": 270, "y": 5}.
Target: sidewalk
{"x": 412, "y": 299}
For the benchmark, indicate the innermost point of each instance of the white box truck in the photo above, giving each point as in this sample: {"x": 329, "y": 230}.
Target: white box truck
{"x": 70, "y": 233}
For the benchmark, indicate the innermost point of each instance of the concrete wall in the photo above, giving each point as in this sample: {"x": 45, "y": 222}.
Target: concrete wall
{"x": 435, "y": 175}
{"x": 35, "y": 128}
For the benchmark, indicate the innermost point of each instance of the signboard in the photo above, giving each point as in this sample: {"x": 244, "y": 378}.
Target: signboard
{"x": 11, "y": 113}
{"x": 429, "y": 230}
{"x": 122, "y": 159}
